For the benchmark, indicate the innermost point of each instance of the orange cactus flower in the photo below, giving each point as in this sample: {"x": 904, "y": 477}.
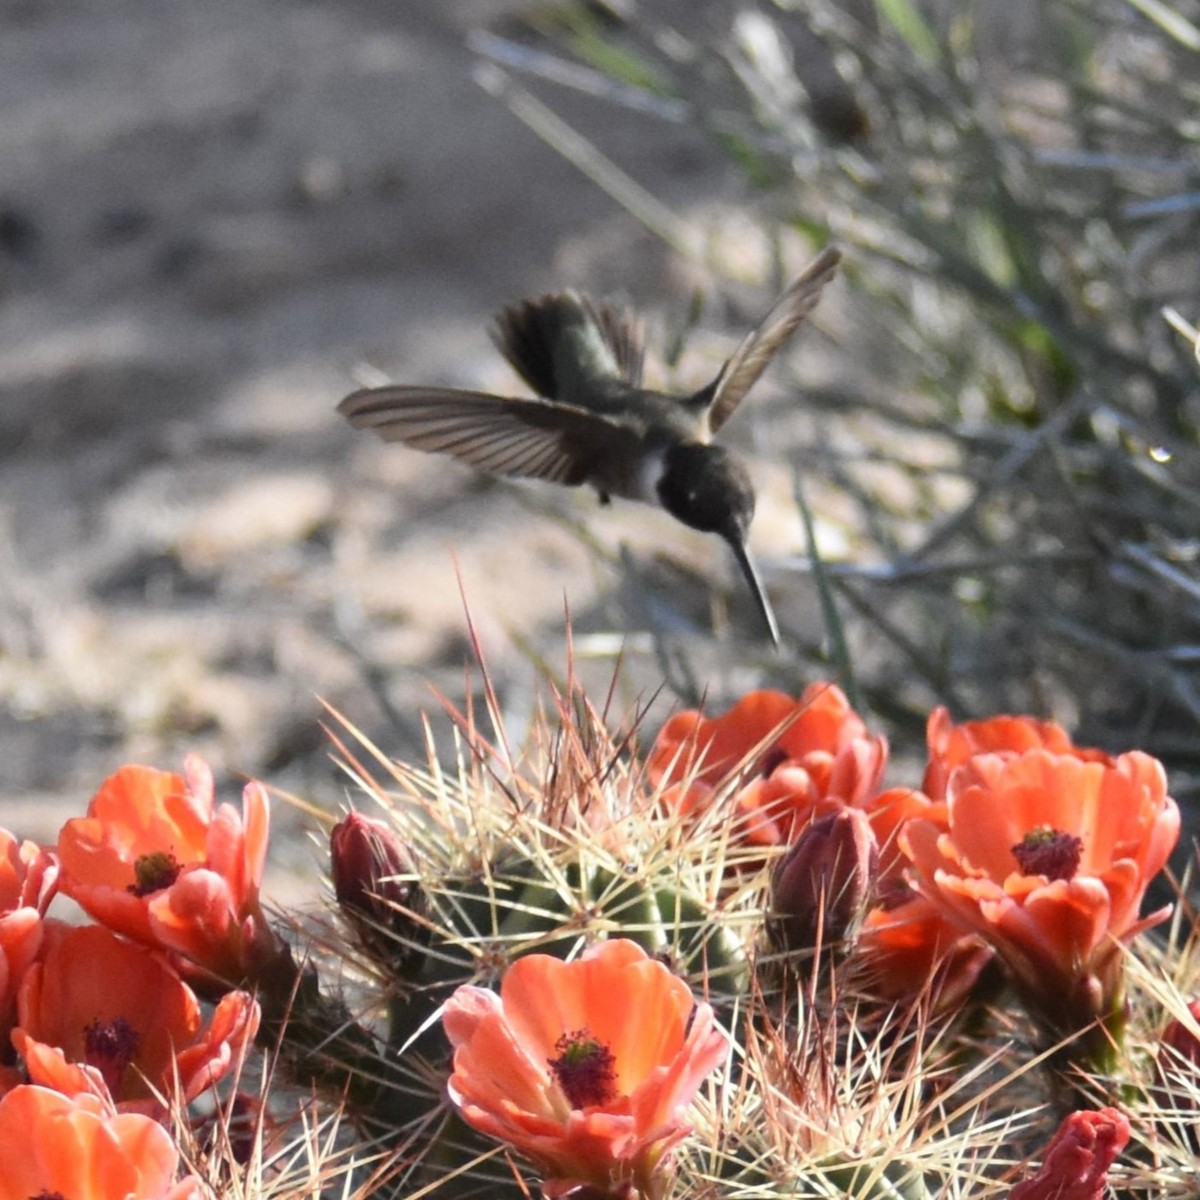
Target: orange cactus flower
{"x": 28, "y": 875}
{"x": 889, "y": 812}
{"x": 912, "y": 949}
{"x": 794, "y": 759}
{"x": 1047, "y": 857}
{"x": 586, "y": 1067}
{"x": 102, "y": 1015}
{"x": 156, "y": 860}
{"x": 28, "y": 881}
{"x": 951, "y": 745}
{"x": 907, "y": 947}
{"x": 909, "y": 944}
{"x": 56, "y": 1145}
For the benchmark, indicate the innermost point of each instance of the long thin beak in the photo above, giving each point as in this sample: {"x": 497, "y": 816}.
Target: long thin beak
{"x": 750, "y": 571}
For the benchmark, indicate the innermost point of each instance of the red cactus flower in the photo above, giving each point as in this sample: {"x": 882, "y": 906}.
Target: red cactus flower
{"x": 28, "y": 881}
{"x": 1047, "y": 857}
{"x": 586, "y": 1067}
{"x": 793, "y": 760}
{"x": 102, "y": 1015}
{"x": 821, "y": 887}
{"x": 155, "y": 859}
{"x": 74, "y": 1146}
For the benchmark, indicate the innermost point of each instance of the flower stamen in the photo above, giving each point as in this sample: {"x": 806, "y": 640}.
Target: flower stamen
{"x": 154, "y": 872}
{"x": 110, "y": 1046}
{"x": 1049, "y": 852}
{"x": 584, "y": 1069}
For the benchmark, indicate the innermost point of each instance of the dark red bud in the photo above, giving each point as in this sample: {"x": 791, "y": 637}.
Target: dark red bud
{"x": 1181, "y": 1040}
{"x": 1177, "y": 1071}
{"x": 1078, "y": 1158}
{"x": 822, "y": 886}
{"x": 374, "y": 879}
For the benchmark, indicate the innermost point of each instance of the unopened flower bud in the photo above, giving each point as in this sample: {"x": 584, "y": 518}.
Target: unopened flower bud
{"x": 1078, "y": 1158}
{"x": 821, "y": 887}
{"x": 1177, "y": 1069}
{"x": 1182, "y": 1039}
{"x": 374, "y": 881}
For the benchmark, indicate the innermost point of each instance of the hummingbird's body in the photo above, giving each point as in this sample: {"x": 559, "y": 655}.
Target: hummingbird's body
{"x": 593, "y": 422}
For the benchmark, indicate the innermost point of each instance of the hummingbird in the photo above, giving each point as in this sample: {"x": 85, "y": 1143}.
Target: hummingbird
{"x": 592, "y": 422}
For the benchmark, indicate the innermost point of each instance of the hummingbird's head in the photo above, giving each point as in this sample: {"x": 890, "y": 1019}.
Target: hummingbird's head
{"x": 705, "y": 487}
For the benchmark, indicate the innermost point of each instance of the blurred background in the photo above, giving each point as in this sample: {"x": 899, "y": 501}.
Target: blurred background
{"x": 978, "y": 468}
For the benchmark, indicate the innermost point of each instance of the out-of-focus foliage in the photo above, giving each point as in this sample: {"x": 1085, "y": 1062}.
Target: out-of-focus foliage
{"x": 1005, "y": 434}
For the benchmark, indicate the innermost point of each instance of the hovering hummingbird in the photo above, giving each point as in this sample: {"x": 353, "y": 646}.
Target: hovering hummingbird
{"x": 593, "y": 422}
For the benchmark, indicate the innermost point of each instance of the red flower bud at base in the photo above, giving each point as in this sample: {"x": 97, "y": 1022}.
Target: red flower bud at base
{"x": 1177, "y": 1075}
{"x": 1180, "y": 1039}
{"x": 1078, "y": 1158}
{"x": 822, "y": 886}
{"x": 373, "y": 879}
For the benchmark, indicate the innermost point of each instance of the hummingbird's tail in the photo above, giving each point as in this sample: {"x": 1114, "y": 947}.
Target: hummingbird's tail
{"x": 562, "y": 342}
{"x": 754, "y": 580}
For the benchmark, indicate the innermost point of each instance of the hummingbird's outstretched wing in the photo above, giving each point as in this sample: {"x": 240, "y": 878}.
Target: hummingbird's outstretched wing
{"x": 751, "y": 358}
{"x": 533, "y": 438}
{"x": 559, "y": 344}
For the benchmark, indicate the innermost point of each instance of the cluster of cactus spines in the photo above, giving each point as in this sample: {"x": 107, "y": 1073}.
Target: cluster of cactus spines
{"x": 482, "y": 863}
{"x": 490, "y": 861}
{"x": 508, "y": 864}
{"x": 829, "y": 1091}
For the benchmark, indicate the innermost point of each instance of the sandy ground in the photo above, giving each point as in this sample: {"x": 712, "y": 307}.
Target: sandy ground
{"x": 212, "y": 216}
